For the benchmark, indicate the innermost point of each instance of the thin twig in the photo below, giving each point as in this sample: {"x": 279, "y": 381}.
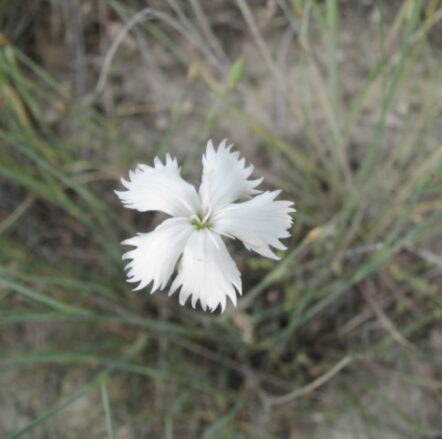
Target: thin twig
{"x": 385, "y": 321}
{"x": 311, "y": 387}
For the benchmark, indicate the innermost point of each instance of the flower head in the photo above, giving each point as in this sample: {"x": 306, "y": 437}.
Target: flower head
{"x": 226, "y": 204}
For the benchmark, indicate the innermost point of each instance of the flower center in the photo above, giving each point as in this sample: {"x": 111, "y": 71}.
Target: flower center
{"x": 200, "y": 221}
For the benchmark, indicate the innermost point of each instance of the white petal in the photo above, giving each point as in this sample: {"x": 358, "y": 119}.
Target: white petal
{"x": 157, "y": 253}
{"x": 259, "y": 223}
{"x": 207, "y": 272}
{"x": 159, "y": 188}
{"x": 225, "y": 177}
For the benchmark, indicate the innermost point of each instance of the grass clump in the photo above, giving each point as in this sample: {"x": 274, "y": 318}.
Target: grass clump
{"x": 339, "y": 110}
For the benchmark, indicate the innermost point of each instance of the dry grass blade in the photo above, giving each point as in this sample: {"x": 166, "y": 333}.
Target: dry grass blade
{"x": 9, "y": 221}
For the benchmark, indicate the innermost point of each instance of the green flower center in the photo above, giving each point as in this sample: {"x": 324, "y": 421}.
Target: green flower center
{"x": 200, "y": 221}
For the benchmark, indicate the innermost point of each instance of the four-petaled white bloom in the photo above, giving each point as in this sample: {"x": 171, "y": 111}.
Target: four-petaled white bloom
{"x": 206, "y": 270}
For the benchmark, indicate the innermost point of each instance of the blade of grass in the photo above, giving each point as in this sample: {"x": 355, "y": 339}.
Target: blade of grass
{"x": 135, "y": 348}
{"x": 107, "y": 409}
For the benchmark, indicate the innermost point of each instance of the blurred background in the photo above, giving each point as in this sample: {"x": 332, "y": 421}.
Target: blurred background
{"x": 338, "y": 103}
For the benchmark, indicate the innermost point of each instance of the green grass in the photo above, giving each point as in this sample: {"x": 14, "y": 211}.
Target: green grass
{"x": 369, "y": 208}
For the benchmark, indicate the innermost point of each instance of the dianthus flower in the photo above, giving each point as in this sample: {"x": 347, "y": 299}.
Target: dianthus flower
{"x": 192, "y": 236}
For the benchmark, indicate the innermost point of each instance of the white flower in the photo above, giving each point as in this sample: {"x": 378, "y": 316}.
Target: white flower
{"x": 206, "y": 271}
